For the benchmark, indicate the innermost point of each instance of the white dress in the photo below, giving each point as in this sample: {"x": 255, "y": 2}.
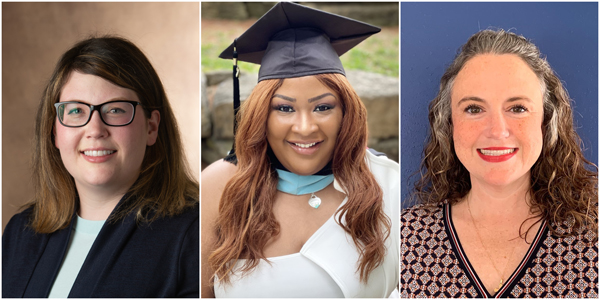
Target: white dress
{"x": 326, "y": 265}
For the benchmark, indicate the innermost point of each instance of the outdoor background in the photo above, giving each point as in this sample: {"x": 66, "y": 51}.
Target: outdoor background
{"x": 372, "y": 69}
{"x": 35, "y": 35}
{"x": 566, "y": 33}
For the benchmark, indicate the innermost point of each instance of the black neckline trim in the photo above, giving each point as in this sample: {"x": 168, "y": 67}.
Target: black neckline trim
{"x": 465, "y": 264}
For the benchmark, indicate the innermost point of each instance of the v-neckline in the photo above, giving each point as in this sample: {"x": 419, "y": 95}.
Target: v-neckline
{"x": 466, "y": 265}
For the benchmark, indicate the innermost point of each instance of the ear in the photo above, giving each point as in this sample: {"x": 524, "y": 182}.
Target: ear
{"x": 152, "y": 127}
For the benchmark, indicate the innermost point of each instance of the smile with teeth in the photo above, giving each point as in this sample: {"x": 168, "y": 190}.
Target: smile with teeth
{"x": 98, "y": 153}
{"x": 305, "y": 145}
{"x": 496, "y": 152}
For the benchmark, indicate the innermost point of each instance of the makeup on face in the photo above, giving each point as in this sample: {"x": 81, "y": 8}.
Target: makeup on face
{"x": 303, "y": 124}
{"x": 497, "y": 114}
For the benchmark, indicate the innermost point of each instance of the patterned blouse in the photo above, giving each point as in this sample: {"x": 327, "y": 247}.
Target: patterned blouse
{"x": 434, "y": 264}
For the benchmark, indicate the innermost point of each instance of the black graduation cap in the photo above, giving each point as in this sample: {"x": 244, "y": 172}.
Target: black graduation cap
{"x": 293, "y": 40}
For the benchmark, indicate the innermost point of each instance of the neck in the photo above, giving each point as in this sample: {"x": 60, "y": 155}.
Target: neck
{"x": 97, "y": 204}
{"x": 494, "y": 202}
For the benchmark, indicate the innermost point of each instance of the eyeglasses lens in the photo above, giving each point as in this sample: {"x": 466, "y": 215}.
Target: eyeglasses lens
{"x": 113, "y": 113}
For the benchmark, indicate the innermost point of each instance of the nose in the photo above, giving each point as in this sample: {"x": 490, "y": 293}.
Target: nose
{"x": 95, "y": 128}
{"x": 498, "y": 127}
{"x": 304, "y": 124}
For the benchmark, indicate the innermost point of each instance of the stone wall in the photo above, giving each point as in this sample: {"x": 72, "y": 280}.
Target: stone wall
{"x": 379, "y": 93}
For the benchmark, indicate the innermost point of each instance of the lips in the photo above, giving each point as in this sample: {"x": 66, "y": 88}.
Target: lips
{"x": 97, "y": 155}
{"x": 305, "y": 147}
{"x": 497, "y": 154}
{"x": 98, "y": 152}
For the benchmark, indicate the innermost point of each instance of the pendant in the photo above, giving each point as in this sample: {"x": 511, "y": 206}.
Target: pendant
{"x": 499, "y": 286}
{"x": 314, "y": 201}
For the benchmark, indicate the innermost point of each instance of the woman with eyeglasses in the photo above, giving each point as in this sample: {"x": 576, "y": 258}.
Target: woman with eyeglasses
{"x": 115, "y": 211}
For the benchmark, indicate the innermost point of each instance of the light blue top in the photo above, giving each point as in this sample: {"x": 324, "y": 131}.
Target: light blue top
{"x": 82, "y": 238}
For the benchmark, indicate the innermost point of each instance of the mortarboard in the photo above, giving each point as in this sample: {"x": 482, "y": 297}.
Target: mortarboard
{"x": 293, "y": 40}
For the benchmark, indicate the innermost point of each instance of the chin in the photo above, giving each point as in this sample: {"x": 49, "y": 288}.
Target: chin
{"x": 500, "y": 179}
{"x": 304, "y": 171}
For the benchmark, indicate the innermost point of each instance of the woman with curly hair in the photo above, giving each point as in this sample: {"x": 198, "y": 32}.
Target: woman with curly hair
{"x": 115, "y": 212}
{"x": 303, "y": 209}
{"x": 508, "y": 203}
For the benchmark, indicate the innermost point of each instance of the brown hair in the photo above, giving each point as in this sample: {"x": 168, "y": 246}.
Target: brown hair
{"x": 562, "y": 188}
{"x": 165, "y": 186}
{"x": 246, "y": 221}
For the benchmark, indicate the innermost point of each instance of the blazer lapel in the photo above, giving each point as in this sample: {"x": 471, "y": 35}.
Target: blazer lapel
{"x": 102, "y": 256}
{"x": 53, "y": 250}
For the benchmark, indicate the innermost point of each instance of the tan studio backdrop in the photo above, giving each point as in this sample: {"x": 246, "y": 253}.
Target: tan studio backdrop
{"x": 35, "y": 35}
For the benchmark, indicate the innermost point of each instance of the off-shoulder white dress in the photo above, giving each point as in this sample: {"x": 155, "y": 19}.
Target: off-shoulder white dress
{"x": 326, "y": 265}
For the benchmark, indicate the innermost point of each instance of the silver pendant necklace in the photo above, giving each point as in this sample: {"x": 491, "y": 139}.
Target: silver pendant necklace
{"x": 314, "y": 201}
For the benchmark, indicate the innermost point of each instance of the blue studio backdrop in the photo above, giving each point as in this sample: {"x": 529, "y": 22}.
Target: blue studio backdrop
{"x": 432, "y": 33}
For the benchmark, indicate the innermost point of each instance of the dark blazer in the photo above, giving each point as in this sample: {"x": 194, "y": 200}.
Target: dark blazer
{"x": 160, "y": 259}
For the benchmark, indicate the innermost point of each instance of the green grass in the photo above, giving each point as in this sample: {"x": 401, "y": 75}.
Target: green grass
{"x": 378, "y": 54}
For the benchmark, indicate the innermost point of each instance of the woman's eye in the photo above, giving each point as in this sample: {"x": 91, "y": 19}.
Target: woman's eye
{"x": 116, "y": 111}
{"x": 74, "y": 111}
{"x": 323, "y": 108}
{"x": 473, "y": 109}
{"x": 518, "y": 109}
{"x": 284, "y": 108}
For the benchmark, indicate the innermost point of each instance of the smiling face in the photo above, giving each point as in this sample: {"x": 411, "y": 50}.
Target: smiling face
{"x": 497, "y": 114}
{"x": 303, "y": 124}
{"x": 99, "y": 156}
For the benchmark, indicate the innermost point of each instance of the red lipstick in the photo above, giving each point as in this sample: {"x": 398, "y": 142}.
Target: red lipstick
{"x": 497, "y": 154}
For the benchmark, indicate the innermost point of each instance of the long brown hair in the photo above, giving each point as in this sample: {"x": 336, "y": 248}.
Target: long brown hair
{"x": 246, "y": 221}
{"x": 564, "y": 184}
{"x": 165, "y": 186}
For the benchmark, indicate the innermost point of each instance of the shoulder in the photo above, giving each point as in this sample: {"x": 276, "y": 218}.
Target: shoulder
{"x": 213, "y": 181}
{"x": 422, "y": 226}
{"x": 19, "y": 224}
{"x": 383, "y": 167}
{"x": 422, "y": 214}
{"x": 568, "y": 233}
{"x": 19, "y": 239}
{"x": 387, "y": 174}
{"x": 215, "y": 176}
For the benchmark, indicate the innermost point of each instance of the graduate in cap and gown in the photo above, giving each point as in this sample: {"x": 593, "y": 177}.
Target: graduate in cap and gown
{"x": 300, "y": 207}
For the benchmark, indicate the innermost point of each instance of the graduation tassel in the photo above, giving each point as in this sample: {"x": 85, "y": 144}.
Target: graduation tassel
{"x": 236, "y": 88}
{"x": 236, "y": 102}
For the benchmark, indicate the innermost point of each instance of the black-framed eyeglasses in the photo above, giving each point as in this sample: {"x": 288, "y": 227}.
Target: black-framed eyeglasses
{"x": 112, "y": 113}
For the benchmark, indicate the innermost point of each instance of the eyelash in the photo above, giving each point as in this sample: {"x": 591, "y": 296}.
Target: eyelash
{"x": 520, "y": 107}
{"x": 469, "y": 109}
{"x": 289, "y": 109}
{"x": 283, "y": 108}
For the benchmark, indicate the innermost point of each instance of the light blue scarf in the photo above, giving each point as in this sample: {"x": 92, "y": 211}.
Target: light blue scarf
{"x": 300, "y": 185}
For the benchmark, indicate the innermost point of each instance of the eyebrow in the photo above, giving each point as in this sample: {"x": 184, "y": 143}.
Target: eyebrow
{"x": 313, "y": 99}
{"x": 477, "y": 99}
{"x": 110, "y": 100}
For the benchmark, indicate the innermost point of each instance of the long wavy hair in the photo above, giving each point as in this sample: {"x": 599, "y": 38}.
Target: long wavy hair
{"x": 246, "y": 221}
{"x": 564, "y": 184}
{"x": 165, "y": 186}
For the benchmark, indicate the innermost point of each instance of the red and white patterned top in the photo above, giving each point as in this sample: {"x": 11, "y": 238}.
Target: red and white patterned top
{"x": 433, "y": 263}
